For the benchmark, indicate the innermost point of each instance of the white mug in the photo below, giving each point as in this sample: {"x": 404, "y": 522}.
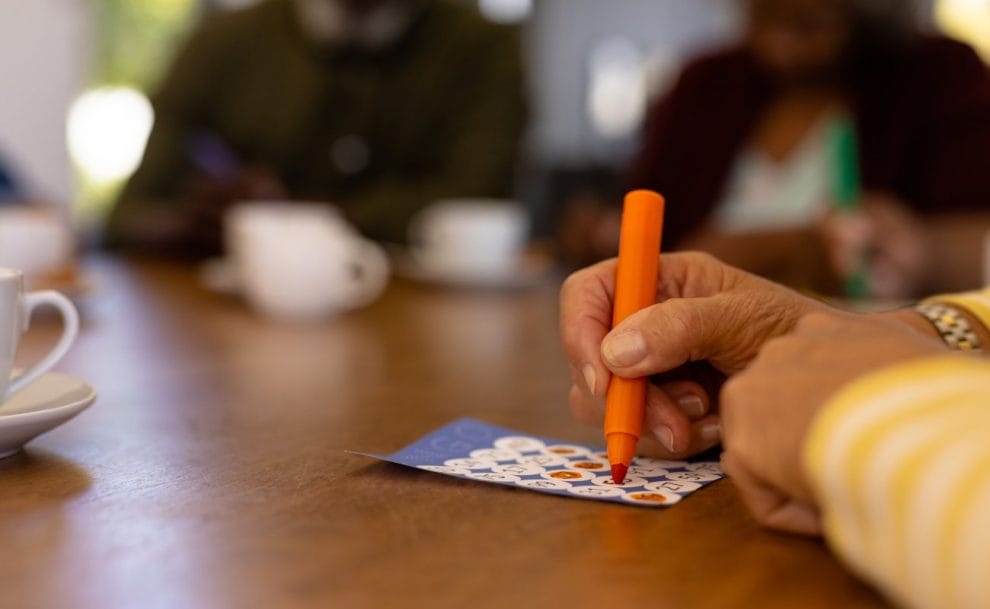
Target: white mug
{"x": 33, "y": 240}
{"x": 470, "y": 236}
{"x": 16, "y": 307}
{"x": 302, "y": 261}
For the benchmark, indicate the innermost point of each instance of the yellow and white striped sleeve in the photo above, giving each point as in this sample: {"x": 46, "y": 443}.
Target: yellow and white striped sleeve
{"x": 977, "y": 303}
{"x": 900, "y": 463}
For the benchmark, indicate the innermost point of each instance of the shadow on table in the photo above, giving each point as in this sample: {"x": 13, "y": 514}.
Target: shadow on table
{"x": 36, "y": 478}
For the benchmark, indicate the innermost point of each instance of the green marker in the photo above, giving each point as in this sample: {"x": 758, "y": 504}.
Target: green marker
{"x": 846, "y": 191}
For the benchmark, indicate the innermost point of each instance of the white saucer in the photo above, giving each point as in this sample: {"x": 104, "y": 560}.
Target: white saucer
{"x": 219, "y": 275}
{"x": 409, "y": 263}
{"x": 43, "y": 405}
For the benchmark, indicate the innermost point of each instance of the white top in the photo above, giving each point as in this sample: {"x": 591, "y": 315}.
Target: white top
{"x": 764, "y": 194}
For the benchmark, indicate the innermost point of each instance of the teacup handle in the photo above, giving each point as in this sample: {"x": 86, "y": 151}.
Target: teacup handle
{"x": 372, "y": 270}
{"x": 70, "y": 328}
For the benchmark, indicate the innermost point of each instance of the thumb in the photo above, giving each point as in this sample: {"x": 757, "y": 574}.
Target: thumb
{"x": 669, "y": 334}
{"x": 770, "y": 506}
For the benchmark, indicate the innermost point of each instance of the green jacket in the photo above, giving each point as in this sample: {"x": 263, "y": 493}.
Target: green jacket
{"x": 440, "y": 113}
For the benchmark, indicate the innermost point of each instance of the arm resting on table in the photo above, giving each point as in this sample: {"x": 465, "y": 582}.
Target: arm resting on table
{"x": 900, "y": 463}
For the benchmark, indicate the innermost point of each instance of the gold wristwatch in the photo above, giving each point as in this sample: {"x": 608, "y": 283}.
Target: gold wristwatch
{"x": 952, "y": 326}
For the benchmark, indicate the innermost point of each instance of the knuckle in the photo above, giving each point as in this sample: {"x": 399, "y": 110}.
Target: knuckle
{"x": 733, "y": 394}
{"x": 760, "y": 514}
{"x": 679, "y": 324}
{"x": 583, "y": 279}
{"x": 776, "y": 349}
{"x": 694, "y": 257}
{"x": 572, "y": 282}
{"x": 814, "y": 321}
{"x": 570, "y": 338}
{"x": 703, "y": 258}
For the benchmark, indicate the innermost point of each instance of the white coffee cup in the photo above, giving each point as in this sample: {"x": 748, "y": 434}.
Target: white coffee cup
{"x": 464, "y": 237}
{"x": 33, "y": 240}
{"x": 16, "y": 307}
{"x": 302, "y": 261}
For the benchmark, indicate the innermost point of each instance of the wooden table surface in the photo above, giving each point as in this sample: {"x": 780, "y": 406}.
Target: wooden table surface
{"x": 212, "y": 471}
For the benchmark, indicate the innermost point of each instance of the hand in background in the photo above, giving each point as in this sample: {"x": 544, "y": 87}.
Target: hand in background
{"x": 886, "y": 235}
{"x": 795, "y": 257}
{"x": 209, "y": 198}
{"x": 768, "y": 408}
{"x": 589, "y": 230}
{"x": 710, "y": 322}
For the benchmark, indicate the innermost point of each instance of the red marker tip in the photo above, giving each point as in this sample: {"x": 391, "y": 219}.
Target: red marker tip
{"x": 619, "y": 472}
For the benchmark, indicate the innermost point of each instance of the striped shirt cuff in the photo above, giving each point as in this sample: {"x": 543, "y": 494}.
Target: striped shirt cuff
{"x": 900, "y": 462}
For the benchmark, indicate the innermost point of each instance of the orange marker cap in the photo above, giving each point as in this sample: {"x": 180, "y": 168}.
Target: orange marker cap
{"x": 635, "y": 289}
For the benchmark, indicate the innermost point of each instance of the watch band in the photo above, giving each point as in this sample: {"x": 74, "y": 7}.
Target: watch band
{"x": 951, "y": 325}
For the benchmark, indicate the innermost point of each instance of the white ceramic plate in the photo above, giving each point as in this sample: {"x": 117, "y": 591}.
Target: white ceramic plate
{"x": 218, "y": 275}
{"x": 42, "y": 406}
{"x": 528, "y": 273}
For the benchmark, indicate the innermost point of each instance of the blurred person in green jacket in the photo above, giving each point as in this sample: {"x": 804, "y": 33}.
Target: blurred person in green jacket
{"x": 378, "y": 106}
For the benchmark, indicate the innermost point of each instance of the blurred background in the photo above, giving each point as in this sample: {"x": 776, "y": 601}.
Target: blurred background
{"x": 77, "y": 76}
{"x": 68, "y": 66}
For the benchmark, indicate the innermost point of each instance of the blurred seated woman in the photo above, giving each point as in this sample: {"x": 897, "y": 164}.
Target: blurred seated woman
{"x": 743, "y": 148}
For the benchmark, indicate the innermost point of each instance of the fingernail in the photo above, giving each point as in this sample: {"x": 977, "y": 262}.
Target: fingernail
{"x": 692, "y": 405}
{"x": 590, "y": 378}
{"x": 665, "y": 435}
{"x": 710, "y": 432}
{"x": 624, "y": 349}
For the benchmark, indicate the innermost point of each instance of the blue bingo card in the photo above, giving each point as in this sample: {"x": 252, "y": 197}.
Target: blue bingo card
{"x": 471, "y": 449}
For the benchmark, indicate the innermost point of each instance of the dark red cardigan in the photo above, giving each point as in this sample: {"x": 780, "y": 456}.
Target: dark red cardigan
{"x": 922, "y": 111}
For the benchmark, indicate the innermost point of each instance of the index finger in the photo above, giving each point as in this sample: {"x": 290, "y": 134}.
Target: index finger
{"x": 585, "y": 319}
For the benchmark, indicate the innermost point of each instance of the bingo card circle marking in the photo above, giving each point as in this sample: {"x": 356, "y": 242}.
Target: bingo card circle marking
{"x": 653, "y": 498}
{"x": 672, "y": 486}
{"x": 571, "y": 475}
{"x": 543, "y": 460}
{"x": 495, "y": 454}
{"x": 629, "y": 482}
{"x": 519, "y": 444}
{"x": 596, "y": 491}
{"x": 519, "y": 469}
{"x": 470, "y": 463}
{"x": 493, "y": 477}
{"x": 544, "y": 484}
{"x": 699, "y": 476}
{"x": 566, "y": 450}
{"x": 595, "y": 466}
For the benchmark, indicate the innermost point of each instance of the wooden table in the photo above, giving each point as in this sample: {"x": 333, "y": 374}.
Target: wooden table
{"x": 212, "y": 471}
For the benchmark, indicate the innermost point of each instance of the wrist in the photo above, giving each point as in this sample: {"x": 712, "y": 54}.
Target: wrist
{"x": 912, "y": 319}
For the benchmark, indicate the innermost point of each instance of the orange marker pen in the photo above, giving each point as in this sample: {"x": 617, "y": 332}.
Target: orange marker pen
{"x": 635, "y": 288}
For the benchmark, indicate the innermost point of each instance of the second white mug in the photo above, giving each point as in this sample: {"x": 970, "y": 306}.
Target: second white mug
{"x": 465, "y": 237}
